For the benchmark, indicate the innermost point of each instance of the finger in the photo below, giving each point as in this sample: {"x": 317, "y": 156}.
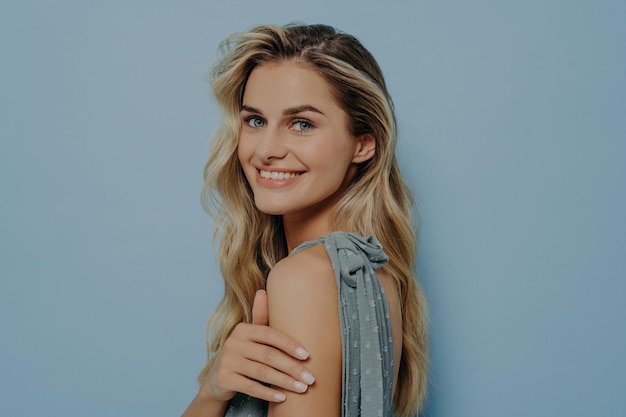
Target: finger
{"x": 260, "y": 314}
{"x": 266, "y": 374}
{"x": 270, "y": 365}
{"x": 271, "y": 337}
{"x": 257, "y": 390}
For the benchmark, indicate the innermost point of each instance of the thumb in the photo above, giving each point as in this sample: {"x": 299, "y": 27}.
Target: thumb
{"x": 260, "y": 314}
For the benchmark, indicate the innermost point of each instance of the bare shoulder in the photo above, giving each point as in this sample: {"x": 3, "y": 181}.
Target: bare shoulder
{"x": 304, "y": 283}
{"x": 302, "y": 298}
{"x": 307, "y": 264}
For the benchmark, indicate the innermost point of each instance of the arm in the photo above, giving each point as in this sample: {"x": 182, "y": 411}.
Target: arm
{"x": 252, "y": 353}
{"x": 303, "y": 303}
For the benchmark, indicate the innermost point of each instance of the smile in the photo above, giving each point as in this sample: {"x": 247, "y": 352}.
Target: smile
{"x": 274, "y": 175}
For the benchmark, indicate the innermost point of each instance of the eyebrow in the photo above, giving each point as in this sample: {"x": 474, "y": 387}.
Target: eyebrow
{"x": 287, "y": 112}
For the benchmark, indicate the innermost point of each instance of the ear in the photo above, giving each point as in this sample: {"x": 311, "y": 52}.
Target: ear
{"x": 365, "y": 148}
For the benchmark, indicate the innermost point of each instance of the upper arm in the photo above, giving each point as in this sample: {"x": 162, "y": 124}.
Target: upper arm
{"x": 303, "y": 302}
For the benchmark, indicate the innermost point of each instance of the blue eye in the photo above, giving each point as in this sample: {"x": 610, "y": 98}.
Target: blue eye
{"x": 302, "y": 125}
{"x": 254, "y": 121}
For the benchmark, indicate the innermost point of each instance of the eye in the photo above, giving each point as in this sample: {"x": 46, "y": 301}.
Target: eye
{"x": 255, "y": 121}
{"x": 302, "y": 125}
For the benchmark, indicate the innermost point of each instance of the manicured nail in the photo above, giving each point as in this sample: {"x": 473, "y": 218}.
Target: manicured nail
{"x": 279, "y": 396}
{"x": 301, "y": 353}
{"x": 299, "y": 386}
{"x": 307, "y": 377}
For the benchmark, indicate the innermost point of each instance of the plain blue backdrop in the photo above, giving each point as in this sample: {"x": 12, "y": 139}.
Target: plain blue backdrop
{"x": 512, "y": 119}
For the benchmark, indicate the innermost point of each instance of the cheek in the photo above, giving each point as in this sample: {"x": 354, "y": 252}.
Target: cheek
{"x": 243, "y": 158}
{"x": 240, "y": 156}
{"x": 338, "y": 157}
{"x": 239, "y": 147}
{"x": 335, "y": 166}
{"x": 330, "y": 154}
{"x": 243, "y": 152}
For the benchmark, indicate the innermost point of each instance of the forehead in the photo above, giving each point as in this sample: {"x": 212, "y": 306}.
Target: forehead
{"x": 287, "y": 84}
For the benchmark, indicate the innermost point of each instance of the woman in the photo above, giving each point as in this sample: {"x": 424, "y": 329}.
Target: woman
{"x": 304, "y": 165}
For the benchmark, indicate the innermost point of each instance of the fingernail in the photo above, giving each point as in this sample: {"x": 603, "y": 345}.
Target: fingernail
{"x": 279, "y": 396}
{"x": 307, "y": 377}
{"x": 301, "y": 353}
{"x": 299, "y": 386}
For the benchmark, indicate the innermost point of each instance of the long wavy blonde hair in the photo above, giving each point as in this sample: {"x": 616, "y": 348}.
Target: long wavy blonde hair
{"x": 377, "y": 202}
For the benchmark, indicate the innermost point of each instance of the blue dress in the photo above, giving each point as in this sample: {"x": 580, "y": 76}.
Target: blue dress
{"x": 366, "y": 337}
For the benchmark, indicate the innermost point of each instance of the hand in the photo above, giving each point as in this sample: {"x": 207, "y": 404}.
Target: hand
{"x": 254, "y": 354}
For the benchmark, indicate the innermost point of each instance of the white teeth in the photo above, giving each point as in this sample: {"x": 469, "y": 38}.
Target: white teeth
{"x": 277, "y": 175}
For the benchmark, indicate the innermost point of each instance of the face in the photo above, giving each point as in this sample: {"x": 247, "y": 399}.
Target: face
{"x": 294, "y": 146}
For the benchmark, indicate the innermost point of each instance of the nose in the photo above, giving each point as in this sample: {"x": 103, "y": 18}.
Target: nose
{"x": 271, "y": 145}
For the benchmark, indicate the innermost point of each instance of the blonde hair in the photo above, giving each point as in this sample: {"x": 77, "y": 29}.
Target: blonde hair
{"x": 377, "y": 202}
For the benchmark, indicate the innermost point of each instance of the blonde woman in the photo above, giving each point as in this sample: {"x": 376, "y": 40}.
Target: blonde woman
{"x": 321, "y": 314}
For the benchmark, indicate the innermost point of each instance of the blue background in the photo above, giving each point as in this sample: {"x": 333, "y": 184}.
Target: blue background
{"x": 513, "y": 128}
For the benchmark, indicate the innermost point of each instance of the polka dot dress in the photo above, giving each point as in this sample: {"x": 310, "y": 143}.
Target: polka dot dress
{"x": 367, "y": 341}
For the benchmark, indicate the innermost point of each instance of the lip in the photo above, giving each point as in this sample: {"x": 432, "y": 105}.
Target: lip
{"x": 274, "y": 181}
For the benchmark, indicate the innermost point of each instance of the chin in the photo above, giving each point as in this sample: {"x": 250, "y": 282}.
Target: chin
{"x": 268, "y": 208}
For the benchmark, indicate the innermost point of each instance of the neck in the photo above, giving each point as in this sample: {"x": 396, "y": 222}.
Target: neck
{"x": 302, "y": 227}
{"x": 315, "y": 221}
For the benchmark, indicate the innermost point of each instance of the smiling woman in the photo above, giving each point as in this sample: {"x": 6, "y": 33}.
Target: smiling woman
{"x": 294, "y": 146}
{"x": 321, "y": 313}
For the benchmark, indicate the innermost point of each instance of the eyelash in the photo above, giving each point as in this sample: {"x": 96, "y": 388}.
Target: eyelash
{"x": 249, "y": 120}
{"x": 303, "y": 121}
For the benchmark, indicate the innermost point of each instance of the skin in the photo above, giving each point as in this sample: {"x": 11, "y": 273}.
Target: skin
{"x": 298, "y": 157}
{"x": 253, "y": 351}
{"x": 291, "y": 124}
